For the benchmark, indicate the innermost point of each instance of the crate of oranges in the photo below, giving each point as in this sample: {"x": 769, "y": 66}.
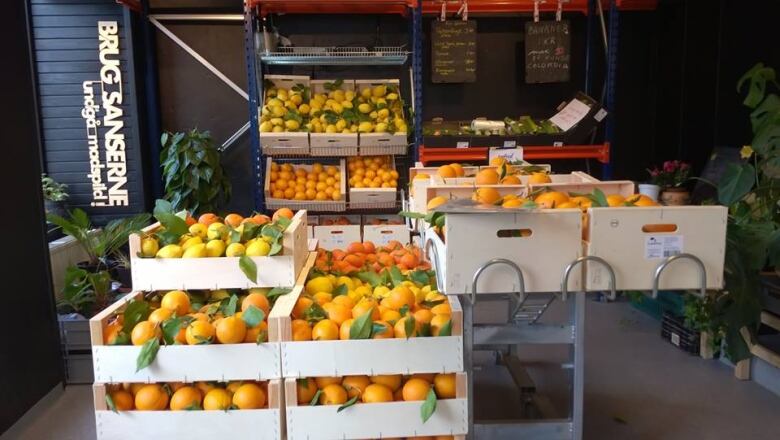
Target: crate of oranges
{"x": 314, "y": 186}
{"x": 199, "y": 410}
{"x": 373, "y": 182}
{"x": 377, "y": 406}
{"x": 179, "y": 336}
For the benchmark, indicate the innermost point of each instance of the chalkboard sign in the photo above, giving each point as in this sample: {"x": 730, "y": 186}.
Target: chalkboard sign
{"x": 547, "y": 51}
{"x": 454, "y": 51}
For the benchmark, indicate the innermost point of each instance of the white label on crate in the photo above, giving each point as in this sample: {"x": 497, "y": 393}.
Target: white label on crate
{"x": 676, "y": 339}
{"x": 663, "y": 246}
{"x": 510, "y": 144}
{"x": 600, "y": 115}
{"x": 338, "y": 240}
{"x": 570, "y": 115}
{"x": 462, "y": 144}
{"x": 510, "y": 154}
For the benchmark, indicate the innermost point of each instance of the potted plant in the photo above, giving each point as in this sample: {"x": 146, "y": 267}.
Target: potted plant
{"x": 54, "y": 196}
{"x": 194, "y": 178}
{"x": 670, "y": 179}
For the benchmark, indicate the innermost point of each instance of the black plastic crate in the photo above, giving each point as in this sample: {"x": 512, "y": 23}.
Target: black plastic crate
{"x": 673, "y": 329}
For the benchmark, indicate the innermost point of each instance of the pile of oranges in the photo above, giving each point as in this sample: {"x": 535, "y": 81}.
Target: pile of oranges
{"x": 358, "y": 257}
{"x": 316, "y": 182}
{"x": 178, "y": 396}
{"x": 374, "y": 389}
{"x": 372, "y": 172}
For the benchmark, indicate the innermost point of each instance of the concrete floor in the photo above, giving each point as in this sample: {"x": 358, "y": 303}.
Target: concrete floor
{"x": 637, "y": 387}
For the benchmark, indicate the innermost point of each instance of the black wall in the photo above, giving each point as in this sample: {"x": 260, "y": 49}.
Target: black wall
{"x": 30, "y": 363}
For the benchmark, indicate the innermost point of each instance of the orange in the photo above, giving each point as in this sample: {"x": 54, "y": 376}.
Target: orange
{"x": 333, "y": 394}
{"x": 144, "y": 331}
{"x": 567, "y": 205}
{"x": 233, "y": 220}
{"x": 325, "y": 330}
{"x": 398, "y": 395}
{"x": 538, "y": 178}
{"x": 416, "y": 389}
{"x": 306, "y": 389}
{"x": 444, "y": 384}
{"x": 497, "y": 161}
{"x": 344, "y": 329}
{"x": 177, "y": 301}
{"x": 369, "y": 247}
{"x": 158, "y": 316}
{"x": 428, "y": 377}
{"x": 410, "y": 261}
{"x": 443, "y": 437}
{"x": 442, "y": 309}
{"x": 301, "y": 305}
{"x": 345, "y": 301}
{"x": 283, "y": 212}
{"x": 185, "y": 398}
{"x": 233, "y": 386}
{"x": 423, "y": 316}
{"x": 437, "y": 322}
{"x": 583, "y": 202}
{"x": 217, "y": 399}
{"x": 249, "y": 396}
{"x": 511, "y": 180}
{"x": 458, "y": 169}
{"x": 338, "y": 313}
{"x": 322, "y": 297}
{"x": 355, "y": 385}
{"x": 258, "y": 300}
{"x": 134, "y": 387}
{"x": 391, "y": 316}
{"x": 487, "y": 177}
{"x": 487, "y": 195}
{"x": 363, "y": 307}
{"x": 231, "y": 330}
{"x": 208, "y": 218}
{"x": 111, "y": 332}
{"x": 206, "y": 387}
{"x": 401, "y": 296}
{"x": 200, "y": 332}
{"x": 641, "y": 200}
{"x": 253, "y": 333}
{"x": 392, "y": 381}
{"x": 551, "y": 199}
{"x": 513, "y": 203}
{"x": 435, "y": 202}
{"x": 200, "y": 316}
{"x": 388, "y": 333}
{"x": 356, "y": 247}
{"x": 151, "y": 397}
{"x": 446, "y": 171}
{"x": 123, "y": 400}
{"x": 399, "y": 329}
{"x": 324, "y": 381}
{"x": 301, "y": 331}
{"x": 615, "y": 200}
{"x": 377, "y": 393}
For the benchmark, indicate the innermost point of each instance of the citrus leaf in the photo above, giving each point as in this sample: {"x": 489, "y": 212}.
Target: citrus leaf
{"x": 314, "y": 313}
{"x": 316, "y": 398}
{"x": 249, "y": 268}
{"x": 277, "y": 291}
{"x": 378, "y": 329}
{"x": 429, "y": 406}
{"x": 135, "y": 312}
{"x": 362, "y": 326}
{"x": 202, "y": 340}
{"x": 432, "y": 304}
{"x": 396, "y": 276}
{"x": 304, "y": 382}
{"x": 598, "y": 198}
{"x": 411, "y": 214}
{"x": 409, "y": 325}
{"x": 446, "y": 329}
{"x": 370, "y": 277}
{"x": 172, "y": 223}
{"x": 282, "y": 223}
{"x": 252, "y": 316}
{"x": 121, "y": 339}
{"x": 342, "y": 289}
{"x": 170, "y": 328}
{"x": 425, "y": 330}
{"x": 228, "y": 307}
{"x": 147, "y": 354}
{"x": 419, "y": 277}
{"x": 262, "y": 337}
{"x": 110, "y": 403}
{"x": 347, "y": 404}
{"x": 193, "y": 407}
{"x": 529, "y": 204}
{"x": 404, "y": 310}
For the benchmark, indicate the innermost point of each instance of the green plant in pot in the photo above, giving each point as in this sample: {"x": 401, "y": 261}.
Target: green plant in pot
{"x": 85, "y": 293}
{"x": 54, "y": 195}
{"x": 193, "y": 176}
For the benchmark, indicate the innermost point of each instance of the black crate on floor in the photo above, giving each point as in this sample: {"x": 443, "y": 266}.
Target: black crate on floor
{"x": 673, "y": 329}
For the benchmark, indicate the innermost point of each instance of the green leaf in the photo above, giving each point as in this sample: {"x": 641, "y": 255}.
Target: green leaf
{"x": 316, "y": 398}
{"x": 303, "y": 382}
{"x": 341, "y": 289}
{"x": 262, "y": 337}
{"x": 429, "y": 406}
{"x": 758, "y": 75}
{"x": 432, "y": 304}
{"x": 171, "y": 327}
{"x": 411, "y": 214}
{"x": 410, "y": 325}
{"x": 110, "y": 403}
{"x": 147, "y": 354}
{"x": 404, "y": 310}
{"x": 348, "y": 403}
{"x": 314, "y": 313}
{"x": 446, "y": 329}
{"x": 530, "y": 204}
{"x": 396, "y": 276}
{"x": 276, "y": 292}
{"x": 252, "y": 316}
{"x": 361, "y": 327}
{"x": 370, "y": 277}
{"x": 419, "y": 277}
{"x": 228, "y": 307}
{"x": 598, "y": 198}
{"x": 736, "y": 182}
{"x": 135, "y": 312}
{"x": 378, "y": 329}
{"x": 122, "y": 338}
{"x": 249, "y": 268}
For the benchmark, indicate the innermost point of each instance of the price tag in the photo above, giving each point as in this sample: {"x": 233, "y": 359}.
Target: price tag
{"x": 600, "y": 115}
{"x": 463, "y": 144}
{"x": 510, "y": 154}
{"x": 510, "y": 144}
{"x": 570, "y": 115}
{"x": 663, "y": 246}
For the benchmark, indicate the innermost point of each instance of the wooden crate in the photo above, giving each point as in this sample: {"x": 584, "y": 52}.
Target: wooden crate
{"x": 617, "y": 235}
{"x": 373, "y": 198}
{"x": 338, "y": 236}
{"x": 286, "y": 143}
{"x": 333, "y": 144}
{"x": 380, "y": 140}
{"x": 474, "y": 239}
{"x": 465, "y": 191}
{"x": 179, "y": 363}
{"x": 443, "y": 354}
{"x": 220, "y": 272}
{"x": 261, "y": 424}
{"x": 376, "y": 420}
{"x": 310, "y": 205}
{"x": 382, "y": 234}
{"x": 623, "y": 187}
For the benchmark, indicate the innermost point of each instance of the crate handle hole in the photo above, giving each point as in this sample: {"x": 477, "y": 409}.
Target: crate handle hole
{"x": 514, "y": 233}
{"x": 661, "y": 227}
{"x": 336, "y": 232}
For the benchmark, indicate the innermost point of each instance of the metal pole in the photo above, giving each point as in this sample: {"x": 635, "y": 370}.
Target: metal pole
{"x": 611, "y": 79}
{"x": 468, "y": 357}
{"x": 253, "y": 86}
{"x": 417, "y": 62}
{"x": 151, "y": 92}
{"x": 578, "y": 384}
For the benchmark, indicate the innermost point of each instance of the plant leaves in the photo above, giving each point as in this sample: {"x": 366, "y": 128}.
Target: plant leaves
{"x": 316, "y": 398}
{"x": 252, "y": 316}
{"x": 377, "y": 329}
{"x": 171, "y": 327}
{"x": 314, "y": 313}
{"x": 429, "y": 406}
{"x": 228, "y": 307}
{"x": 758, "y": 75}
{"x": 411, "y": 214}
{"x": 341, "y": 289}
{"x": 396, "y": 277}
{"x": 419, "y": 277}
{"x": 432, "y": 304}
{"x": 598, "y": 199}
{"x": 249, "y": 268}
{"x": 135, "y": 312}
{"x": 276, "y": 292}
{"x": 446, "y": 329}
{"x": 735, "y": 183}
{"x": 361, "y": 327}
{"x": 147, "y": 354}
{"x": 404, "y": 310}
{"x": 370, "y": 277}
{"x": 348, "y": 403}
{"x": 410, "y": 324}
{"x": 110, "y": 403}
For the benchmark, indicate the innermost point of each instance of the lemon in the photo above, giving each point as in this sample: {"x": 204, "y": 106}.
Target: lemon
{"x": 170, "y": 251}
{"x": 400, "y": 128}
{"x": 379, "y": 91}
{"x": 191, "y": 242}
{"x": 383, "y": 113}
{"x": 149, "y": 247}
{"x": 274, "y": 103}
{"x": 235, "y": 250}
{"x": 436, "y": 202}
{"x": 345, "y": 280}
{"x": 217, "y": 230}
{"x": 196, "y": 250}
{"x": 372, "y": 115}
{"x": 365, "y": 93}
{"x": 277, "y": 121}
{"x": 347, "y": 104}
{"x": 266, "y": 127}
{"x": 364, "y": 108}
{"x": 278, "y": 112}
{"x": 381, "y": 291}
{"x": 319, "y": 284}
{"x": 292, "y": 125}
{"x": 331, "y": 129}
{"x": 341, "y": 124}
{"x": 381, "y": 103}
{"x": 291, "y": 106}
{"x": 363, "y": 290}
{"x": 304, "y": 109}
{"x": 278, "y": 129}
{"x": 338, "y": 108}
{"x": 296, "y": 99}
{"x": 258, "y": 248}
{"x": 345, "y": 131}
{"x": 215, "y": 248}
{"x": 391, "y": 96}
{"x": 365, "y": 127}
{"x": 380, "y": 128}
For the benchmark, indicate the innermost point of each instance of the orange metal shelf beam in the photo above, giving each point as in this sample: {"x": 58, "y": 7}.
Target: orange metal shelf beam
{"x": 471, "y": 154}
{"x": 526, "y": 6}
{"x": 400, "y": 7}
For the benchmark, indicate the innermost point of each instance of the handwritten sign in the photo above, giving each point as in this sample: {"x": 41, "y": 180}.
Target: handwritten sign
{"x": 454, "y": 51}
{"x": 510, "y": 154}
{"x": 547, "y": 51}
{"x": 570, "y": 115}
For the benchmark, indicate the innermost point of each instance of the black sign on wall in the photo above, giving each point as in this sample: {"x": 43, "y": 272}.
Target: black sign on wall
{"x": 547, "y": 51}
{"x": 86, "y": 94}
{"x": 454, "y": 51}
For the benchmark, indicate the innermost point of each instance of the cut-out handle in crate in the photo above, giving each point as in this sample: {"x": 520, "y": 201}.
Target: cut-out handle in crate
{"x": 520, "y": 281}
{"x": 663, "y": 265}
{"x": 434, "y": 263}
{"x": 570, "y": 267}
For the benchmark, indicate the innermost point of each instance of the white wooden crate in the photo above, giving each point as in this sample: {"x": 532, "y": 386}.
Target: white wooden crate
{"x": 616, "y": 235}
{"x": 575, "y": 177}
{"x": 310, "y": 205}
{"x": 179, "y": 363}
{"x": 441, "y": 354}
{"x": 333, "y": 144}
{"x": 373, "y": 198}
{"x": 465, "y": 191}
{"x": 380, "y": 139}
{"x": 393, "y": 150}
{"x": 338, "y": 236}
{"x": 623, "y": 187}
{"x": 286, "y": 143}
{"x": 260, "y": 424}
{"x": 376, "y": 420}
{"x": 220, "y": 272}
{"x": 473, "y": 239}
{"x": 384, "y": 233}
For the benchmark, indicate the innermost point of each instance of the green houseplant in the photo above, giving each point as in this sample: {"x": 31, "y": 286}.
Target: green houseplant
{"x": 193, "y": 176}
{"x": 54, "y": 195}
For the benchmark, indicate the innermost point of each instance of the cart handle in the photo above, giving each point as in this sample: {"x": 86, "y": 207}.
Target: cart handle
{"x": 702, "y": 273}
{"x": 520, "y": 281}
{"x": 570, "y": 267}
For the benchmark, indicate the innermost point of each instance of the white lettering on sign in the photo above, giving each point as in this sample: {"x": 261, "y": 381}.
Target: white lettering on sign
{"x": 663, "y": 246}
{"x": 511, "y": 155}
{"x": 112, "y": 190}
{"x": 570, "y": 115}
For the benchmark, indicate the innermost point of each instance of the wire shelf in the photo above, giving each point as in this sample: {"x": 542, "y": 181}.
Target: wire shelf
{"x": 336, "y": 56}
